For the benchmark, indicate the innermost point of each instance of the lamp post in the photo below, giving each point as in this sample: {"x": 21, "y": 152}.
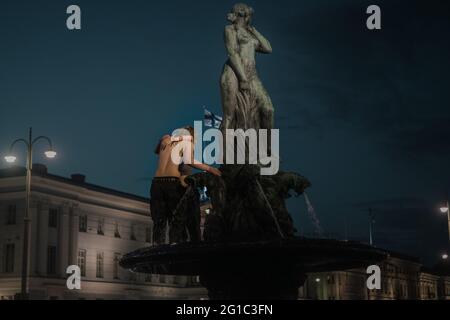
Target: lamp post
{"x": 10, "y": 158}
{"x": 371, "y": 223}
{"x": 446, "y": 209}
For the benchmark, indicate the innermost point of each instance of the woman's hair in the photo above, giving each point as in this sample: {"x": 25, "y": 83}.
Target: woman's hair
{"x": 240, "y": 10}
{"x": 191, "y": 130}
{"x": 176, "y": 133}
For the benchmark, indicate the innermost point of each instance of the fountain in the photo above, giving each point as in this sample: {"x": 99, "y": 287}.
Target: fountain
{"x": 250, "y": 250}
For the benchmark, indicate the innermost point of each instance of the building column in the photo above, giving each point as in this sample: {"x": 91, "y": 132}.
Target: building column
{"x": 74, "y": 221}
{"x": 42, "y": 243}
{"x": 63, "y": 240}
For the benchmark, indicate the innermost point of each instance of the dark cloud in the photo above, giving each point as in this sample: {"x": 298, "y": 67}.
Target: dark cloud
{"x": 424, "y": 136}
{"x": 389, "y": 84}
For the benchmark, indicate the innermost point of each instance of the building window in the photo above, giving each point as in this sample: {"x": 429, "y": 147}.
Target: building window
{"x": 53, "y": 218}
{"x": 100, "y": 227}
{"x": 133, "y": 233}
{"x": 82, "y": 261}
{"x": 148, "y": 235}
{"x": 8, "y": 266}
{"x": 116, "y": 231}
{"x": 99, "y": 273}
{"x": 83, "y": 223}
{"x": 51, "y": 260}
{"x": 11, "y": 219}
{"x": 116, "y": 266}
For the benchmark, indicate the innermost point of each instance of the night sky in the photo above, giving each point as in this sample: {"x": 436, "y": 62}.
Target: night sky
{"x": 365, "y": 115}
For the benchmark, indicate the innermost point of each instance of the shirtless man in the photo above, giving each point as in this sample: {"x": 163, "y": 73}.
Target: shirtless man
{"x": 167, "y": 189}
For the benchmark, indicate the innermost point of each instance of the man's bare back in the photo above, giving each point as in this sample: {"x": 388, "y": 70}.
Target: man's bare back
{"x": 167, "y": 168}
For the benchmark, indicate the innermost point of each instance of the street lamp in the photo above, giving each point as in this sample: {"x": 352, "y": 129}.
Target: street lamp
{"x": 371, "y": 223}
{"x": 10, "y": 158}
{"x": 446, "y": 209}
{"x": 50, "y": 154}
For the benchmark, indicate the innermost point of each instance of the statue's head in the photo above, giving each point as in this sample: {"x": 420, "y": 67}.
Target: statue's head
{"x": 241, "y": 11}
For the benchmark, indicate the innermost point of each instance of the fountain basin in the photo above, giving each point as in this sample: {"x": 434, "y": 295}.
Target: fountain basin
{"x": 253, "y": 270}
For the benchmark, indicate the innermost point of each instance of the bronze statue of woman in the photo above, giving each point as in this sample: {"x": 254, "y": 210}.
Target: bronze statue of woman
{"x": 245, "y": 102}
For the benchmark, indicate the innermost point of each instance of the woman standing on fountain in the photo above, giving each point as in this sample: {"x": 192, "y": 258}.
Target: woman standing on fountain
{"x": 168, "y": 189}
{"x": 245, "y": 102}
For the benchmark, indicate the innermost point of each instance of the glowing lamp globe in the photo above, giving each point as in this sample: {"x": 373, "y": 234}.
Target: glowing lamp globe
{"x": 10, "y": 159}
{"x": 50, "y": 154}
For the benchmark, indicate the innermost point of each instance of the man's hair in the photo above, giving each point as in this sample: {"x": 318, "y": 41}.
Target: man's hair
{"x": 158, "y": 147}
{"x": 190, "y": 129}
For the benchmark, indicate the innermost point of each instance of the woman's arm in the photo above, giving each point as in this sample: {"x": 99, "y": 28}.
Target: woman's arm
{"x": 264, "y": 44}
{"x": 232, "y": 50}
{"x": 205, "y": 167}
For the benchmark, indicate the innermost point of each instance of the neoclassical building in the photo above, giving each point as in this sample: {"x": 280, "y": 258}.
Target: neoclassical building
{"x": 74, "y": 222}
{"x": 402, "y": 278}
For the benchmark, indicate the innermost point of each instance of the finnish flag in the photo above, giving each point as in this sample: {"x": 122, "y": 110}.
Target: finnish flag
{"x": 212, "y": 120}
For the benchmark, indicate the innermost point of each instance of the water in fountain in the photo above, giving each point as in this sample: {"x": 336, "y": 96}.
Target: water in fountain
{"x": 313, "y": 216}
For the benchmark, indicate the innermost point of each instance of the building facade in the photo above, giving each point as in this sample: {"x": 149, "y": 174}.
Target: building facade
{"x": 77, "y": 223}
{"x": 402, "y": 278}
